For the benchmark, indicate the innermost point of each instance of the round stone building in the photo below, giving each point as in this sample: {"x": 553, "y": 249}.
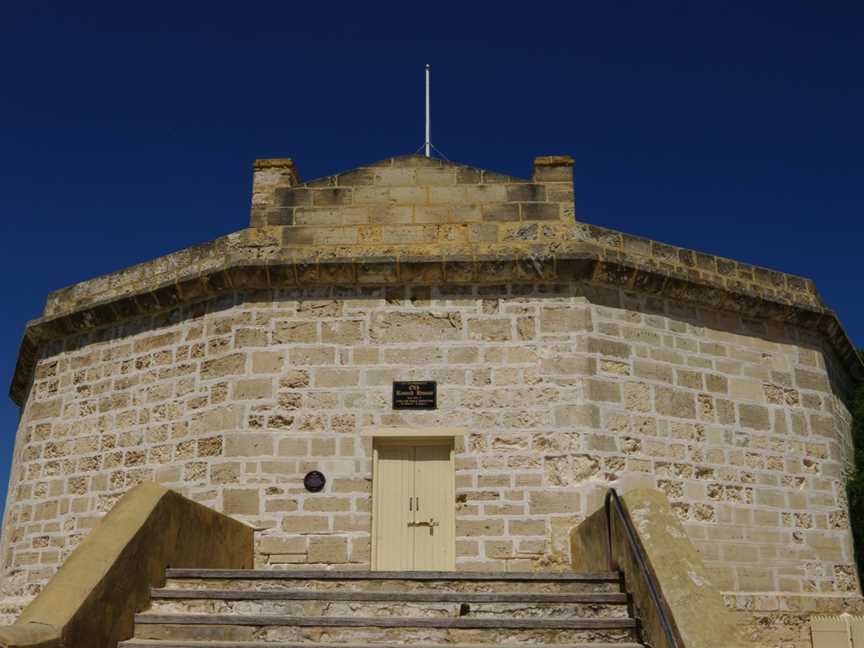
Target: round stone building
{"x": 420, "y": 365}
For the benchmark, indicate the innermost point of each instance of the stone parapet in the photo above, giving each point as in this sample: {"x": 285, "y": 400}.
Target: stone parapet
{"x": 692, "y": 603}
{"x": 408, "y": 190}
{"x": 92, "y": 599}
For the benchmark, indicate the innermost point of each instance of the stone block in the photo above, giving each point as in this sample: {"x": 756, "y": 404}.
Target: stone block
{"x": 817, "y": 381}
{"x": 406, "y": 234}
{"x": 468, "y": 175}
{"x": 553, "y": 501}
{"x": 564, "y": 320}
{"x": 577, "y": 416}
{"x": 637, "y": 397}
{"x": 152, "y": 342}
{"x": 416, "y": 327}
{"x": 250, "y": 337}
{"x": 670, "y": 401}
{"x": 342, "y": 332}
{"x": 241, "y": 501}
{"x": 361, "y": 550}
{"x": 267, "y": 362}
{"x": 754, "y": 416}
{"x": 433, "y": 214}
{"x": 332, "y": 196}
{"x": 395, "y": 177}
{"x": 312, "y": 356}
{"x": 317, "y": 217}
{"x": 230, "y": 365}
{"x": 327, "y": 377}
{"x": 609, "y": 347}
{"x": 253, "y": 389}
{"x": 407, "y": 195}
{"x": 528, "y": 192}
{"x": 653, "y": 371}
{"x": 328, "y": 549}
{"x": 527, "y": 527}
{"x": 293, "y": 197}
{"x": 357, "y": 178}
{"x": 490, "y": 330}
{"x": 436, "y": 177}
{"x": 603, "y": 390}
{"x": 716, "y": 384}
{"x": 306, "y": 524}
{"x": 503, "y": 212}
{"x": 458, "y": 214}
{"x": 498, "y": 549}
{"x": 744, "y": 389}
{"x": 553, "y": 168}
{"x": 480, "y": 194}
{"x": 540, "y": 211}
{"x": 45, "y": 409}
{"x": 326, "y": 504}
{"x": 217, "y": 419}
{"x": 248, "y": 444}
{"x": 754, "y": 579}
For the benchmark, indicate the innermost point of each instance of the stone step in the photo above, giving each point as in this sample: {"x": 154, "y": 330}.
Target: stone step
{"x": 388, "y": 604}
{"x": 500, "y": 582}
{"x": 399, "y": 630}
{"x": 326, "y": 574}
{"x": 412, "y": 597}
{"x": 159, "y": 643}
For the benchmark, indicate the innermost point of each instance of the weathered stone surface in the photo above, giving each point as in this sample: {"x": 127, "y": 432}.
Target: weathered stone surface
{"x": 600, "y": 396}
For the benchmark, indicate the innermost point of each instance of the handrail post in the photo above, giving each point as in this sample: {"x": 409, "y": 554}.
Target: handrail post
{"x": 607, "y": 505}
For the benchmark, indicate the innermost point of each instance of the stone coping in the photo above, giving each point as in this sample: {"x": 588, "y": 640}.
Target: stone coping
{"x": 91, "y": 601}
{"x": 487, "y": 253}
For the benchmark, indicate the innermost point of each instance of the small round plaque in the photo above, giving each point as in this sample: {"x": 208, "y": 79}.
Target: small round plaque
{"x": 314, "y": 481}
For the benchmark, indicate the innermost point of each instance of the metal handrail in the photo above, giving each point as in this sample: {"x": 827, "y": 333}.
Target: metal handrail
{"x": 641, "y": 561}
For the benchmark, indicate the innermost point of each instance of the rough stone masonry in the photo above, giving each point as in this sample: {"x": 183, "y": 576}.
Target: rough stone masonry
{"x": 577, "y": 357}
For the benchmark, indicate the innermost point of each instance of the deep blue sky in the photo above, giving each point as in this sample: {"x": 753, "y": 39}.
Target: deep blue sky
{"x": 128, "y": 130}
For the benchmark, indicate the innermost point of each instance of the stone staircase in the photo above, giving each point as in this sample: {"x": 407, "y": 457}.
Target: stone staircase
{"x": 326, "y": 609}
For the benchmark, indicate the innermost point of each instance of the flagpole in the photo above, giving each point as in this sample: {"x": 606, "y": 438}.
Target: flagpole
{"x": 428, "y": 117}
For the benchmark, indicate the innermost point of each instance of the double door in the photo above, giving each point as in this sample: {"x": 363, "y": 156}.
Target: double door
{"x": 413, "y": 507}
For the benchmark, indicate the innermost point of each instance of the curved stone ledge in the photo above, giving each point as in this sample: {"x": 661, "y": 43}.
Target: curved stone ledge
{"x": 93, "y": 598}
{"x": 256, "y": 259}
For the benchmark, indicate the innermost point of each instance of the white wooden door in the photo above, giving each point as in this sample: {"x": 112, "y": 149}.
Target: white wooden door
{"x": 414, "y": 508}
{"x": 394, "y": 482}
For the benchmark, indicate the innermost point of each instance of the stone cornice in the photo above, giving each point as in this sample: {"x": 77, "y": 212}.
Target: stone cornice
{"x": 490, "y": 253}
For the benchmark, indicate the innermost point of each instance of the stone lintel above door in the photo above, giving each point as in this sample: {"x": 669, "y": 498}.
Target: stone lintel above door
{"x": 413, "y": 432}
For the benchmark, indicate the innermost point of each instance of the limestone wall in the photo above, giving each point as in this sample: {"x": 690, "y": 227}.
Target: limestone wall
{"x": 565, "y": 388}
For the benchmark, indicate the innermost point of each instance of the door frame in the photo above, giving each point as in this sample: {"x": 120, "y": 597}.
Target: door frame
{"x": 413, "y": 437}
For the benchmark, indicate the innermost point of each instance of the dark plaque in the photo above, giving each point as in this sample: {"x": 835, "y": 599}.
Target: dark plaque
{"x": 415, "y": 395}
{"x": 314, "y": 481}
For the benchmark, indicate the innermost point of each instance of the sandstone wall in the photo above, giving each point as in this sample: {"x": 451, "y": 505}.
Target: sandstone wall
{"x": 565, "y": 388}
